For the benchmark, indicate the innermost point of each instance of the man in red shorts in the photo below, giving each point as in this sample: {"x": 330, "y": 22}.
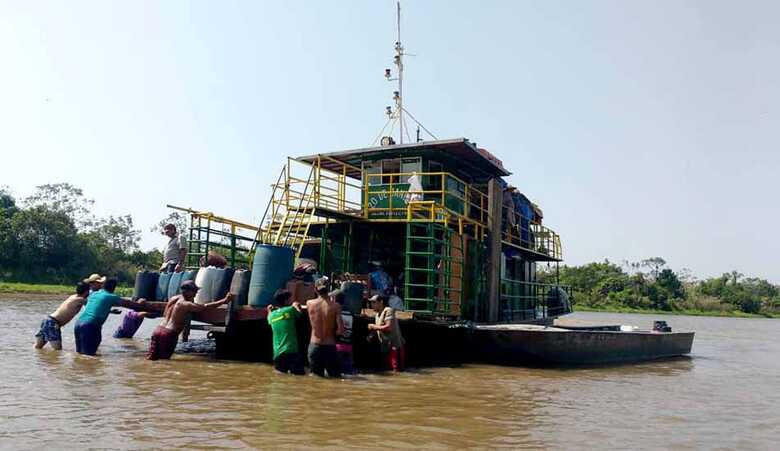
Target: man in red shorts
{"x": 166, "y": 335}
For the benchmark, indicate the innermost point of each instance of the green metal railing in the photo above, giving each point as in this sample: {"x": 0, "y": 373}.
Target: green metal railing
{"x": 532, "y": 300}
{"x": 433, "y": 273}
{"x": 335, "y": 250}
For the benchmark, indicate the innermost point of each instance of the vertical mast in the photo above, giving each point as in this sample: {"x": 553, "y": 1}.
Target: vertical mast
{"x": 396, "y": 115}
{"x": 399, "y": 52}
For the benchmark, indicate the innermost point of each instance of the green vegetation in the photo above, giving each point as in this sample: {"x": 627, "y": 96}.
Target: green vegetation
{"x": 33, "y": 288}
{"x": 649, "y": 286}
{"x": 51, "y": 237}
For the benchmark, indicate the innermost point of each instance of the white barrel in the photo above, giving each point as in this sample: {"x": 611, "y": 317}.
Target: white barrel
{"x": 205, "y": 279}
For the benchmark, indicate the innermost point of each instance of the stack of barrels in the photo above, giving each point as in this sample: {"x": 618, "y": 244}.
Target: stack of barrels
{"x": 271, "y": 270}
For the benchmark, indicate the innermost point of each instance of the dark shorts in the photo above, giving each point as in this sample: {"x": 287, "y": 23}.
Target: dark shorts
{"x": 129, "y": 326}
{"x": 289, "y": 362}
{"x": 163, "y": 343}
{"x": 324, "y": 358}
{"x": 345, "y": 358}
{"x": 50, "y": 330}
{"x": 88, "y": 337}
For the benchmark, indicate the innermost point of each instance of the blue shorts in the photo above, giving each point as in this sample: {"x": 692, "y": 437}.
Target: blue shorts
{"x": 50, "y": 330}
{"x": 88, "y": 337}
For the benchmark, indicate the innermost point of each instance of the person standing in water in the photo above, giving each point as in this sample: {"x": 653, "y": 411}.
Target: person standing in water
{"x": 165, "y": 336}
{"x": 50, "y": 331}
{"x": 391, "y": 342}
{"x": 89, "y": 326}
{"x": 326, "y": 325}
{"x": 282, "y": 318}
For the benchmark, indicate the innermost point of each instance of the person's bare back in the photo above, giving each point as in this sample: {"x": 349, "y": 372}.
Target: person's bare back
{"x": 325, "y": 318}
{"x": 68, "y": 309}
{"x": 178, "y": 307}
{"x": 176, "y": 312}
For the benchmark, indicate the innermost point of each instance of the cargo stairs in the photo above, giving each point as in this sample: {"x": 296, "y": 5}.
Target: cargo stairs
{"x": 306, "y": 194}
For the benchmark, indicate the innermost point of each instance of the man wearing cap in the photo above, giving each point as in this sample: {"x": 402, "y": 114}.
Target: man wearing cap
{"x": 95, "y": 282}
{"x": 175, "y": 251}
{"x": 90, "y": 323}
{"x": 166, "y": 335}
{"x": 388, "y": 331}
{"x": 326, "y": 324}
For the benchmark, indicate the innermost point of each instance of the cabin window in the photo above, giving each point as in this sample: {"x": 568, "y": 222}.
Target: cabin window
{"x": 433, "y": 182}
{"x": 372, "y": 167}
{"x": 390, "y": 170}
{"x": 409, "y": 165}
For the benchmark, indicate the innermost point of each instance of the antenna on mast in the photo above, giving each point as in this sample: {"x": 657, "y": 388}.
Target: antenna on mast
{"x": 396, "y": 114}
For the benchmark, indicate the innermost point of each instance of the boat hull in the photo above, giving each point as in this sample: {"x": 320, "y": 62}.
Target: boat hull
{"x": 519, "y": 345}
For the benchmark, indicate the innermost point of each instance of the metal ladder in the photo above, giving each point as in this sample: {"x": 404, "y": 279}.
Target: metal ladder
{"x": 433, "y": 273}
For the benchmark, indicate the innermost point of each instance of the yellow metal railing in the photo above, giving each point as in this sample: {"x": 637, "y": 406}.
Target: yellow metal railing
{"x": 386, "y": 198}
{"x": 526, "y": 234}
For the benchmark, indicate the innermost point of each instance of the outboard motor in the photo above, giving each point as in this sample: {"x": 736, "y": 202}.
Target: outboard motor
{"x": 661, "y": 326}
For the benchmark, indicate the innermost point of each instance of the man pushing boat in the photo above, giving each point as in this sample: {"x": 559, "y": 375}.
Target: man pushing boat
{"x": 50, "y": 331}
{"x": 89, "y": 326}
{"x": 166, "y": 335}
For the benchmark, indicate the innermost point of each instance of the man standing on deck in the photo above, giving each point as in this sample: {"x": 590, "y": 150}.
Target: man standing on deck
{"x": 326, "y": 324}
{"x": 175, "y": 252}
{"x": 281, "y": 318}
{"x": 90, "y": 323}
{"x": 166, "y": 335}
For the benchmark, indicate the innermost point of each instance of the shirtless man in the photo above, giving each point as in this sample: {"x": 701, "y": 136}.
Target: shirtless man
{"x": 166, "y": 335}
{"x": 51, "y": 327}
{"x": 326, "y": 325}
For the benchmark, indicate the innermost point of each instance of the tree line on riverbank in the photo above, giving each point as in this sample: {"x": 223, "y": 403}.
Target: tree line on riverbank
{"x": 650, "y": 285}
{"x": 52, "y": 236}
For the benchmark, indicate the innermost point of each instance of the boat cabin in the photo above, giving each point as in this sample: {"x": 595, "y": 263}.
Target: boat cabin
{"x": 457, "y": 242}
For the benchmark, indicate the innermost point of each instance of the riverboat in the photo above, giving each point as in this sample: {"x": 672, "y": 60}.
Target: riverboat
{"x": 462, "y": 246}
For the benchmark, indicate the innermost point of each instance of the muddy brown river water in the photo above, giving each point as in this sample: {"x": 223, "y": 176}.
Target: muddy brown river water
{"x": 725, "y": 396}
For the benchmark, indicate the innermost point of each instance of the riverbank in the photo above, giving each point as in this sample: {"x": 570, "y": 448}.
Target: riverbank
{"x": 13, "y": 290}
{"x": 733, "y": 314}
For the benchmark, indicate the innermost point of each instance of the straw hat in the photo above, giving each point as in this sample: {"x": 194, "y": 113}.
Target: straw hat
{"x": 95, "y": 278}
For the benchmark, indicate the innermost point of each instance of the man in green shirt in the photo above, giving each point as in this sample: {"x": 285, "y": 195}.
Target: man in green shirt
{"x": 282, "y": 319}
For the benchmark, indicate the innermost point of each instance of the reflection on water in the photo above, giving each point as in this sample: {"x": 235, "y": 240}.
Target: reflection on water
{"x": 724, "y": 395}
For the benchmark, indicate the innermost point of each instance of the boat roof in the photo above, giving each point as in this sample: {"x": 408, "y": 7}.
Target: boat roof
{"x": 459, "y": 149}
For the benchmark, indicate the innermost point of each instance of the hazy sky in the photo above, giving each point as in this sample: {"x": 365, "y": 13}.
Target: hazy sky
{"x": 641, "y": 128}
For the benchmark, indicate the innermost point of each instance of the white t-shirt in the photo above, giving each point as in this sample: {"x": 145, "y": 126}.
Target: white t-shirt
{"x": 171, "y": 250}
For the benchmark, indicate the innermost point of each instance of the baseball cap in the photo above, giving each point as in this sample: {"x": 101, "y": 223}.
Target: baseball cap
{"x": 189, "y": 285}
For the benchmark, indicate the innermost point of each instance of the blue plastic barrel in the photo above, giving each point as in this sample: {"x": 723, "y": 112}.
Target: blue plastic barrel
{"x": 271, "y": 270}
{"x": 240, "y": 285}
{"x": 162, "y": 286}
{"x": 174, "y": 283}
{"x": 222, "y": 283}
{"x": 145, "y": 285}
